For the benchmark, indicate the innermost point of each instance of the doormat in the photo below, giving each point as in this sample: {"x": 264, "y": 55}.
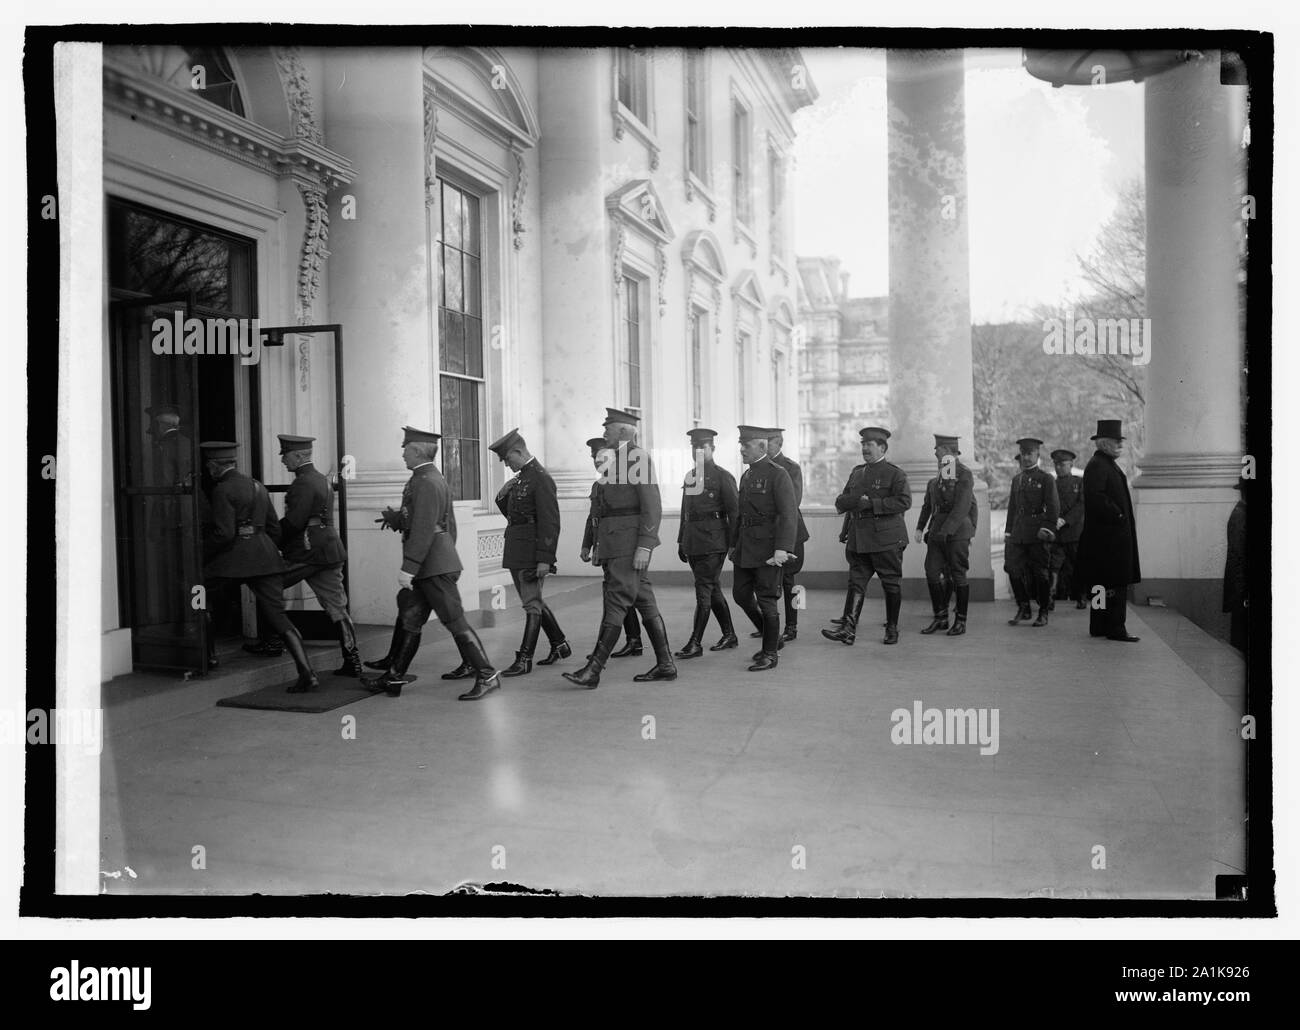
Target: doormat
{"x": 334, "y": 692}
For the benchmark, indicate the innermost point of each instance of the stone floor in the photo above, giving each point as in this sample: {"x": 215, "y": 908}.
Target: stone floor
{"x": 784, "y": 783}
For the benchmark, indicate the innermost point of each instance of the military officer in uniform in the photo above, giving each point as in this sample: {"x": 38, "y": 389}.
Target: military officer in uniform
{"x": 1032, "y": 511}
{"x": 311, "y": 545}
{"x": 532, "y": 510}
{"x": 1108, "y": 550}
{"x": 430, "y": 569}
{"x": 775, "y": 445}
{"x": 762, "y": 541}
{"x": 603, "y": 456}
{"x": 1069, "y": 526}
{"x": 627, "y": 531}
{"x": 874, "y": 498}
{"x": 169, "y": 518}
{"x": 709, "y": 506}
{"x": 239, "y": 546}
{"x": 951, "y": 512}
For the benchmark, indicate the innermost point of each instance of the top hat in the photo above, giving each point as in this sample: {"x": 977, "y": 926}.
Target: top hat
{"x": 946, "y": 441}
{"x": 1109, "y": 429}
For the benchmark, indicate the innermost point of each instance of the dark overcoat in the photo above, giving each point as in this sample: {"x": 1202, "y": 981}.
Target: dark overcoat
{"x": 1108, "y": 549}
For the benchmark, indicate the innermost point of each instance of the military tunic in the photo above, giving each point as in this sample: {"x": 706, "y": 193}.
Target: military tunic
{"x": 626, "y": 512}
{"x": 874, "y": 499}
{"x": 709, "y": 513}
{"x": 1065, "y": 552}
{"x": 952, "y": 514}
{"x": 311, "y": 543}
{"x": 1032, "y": 506}
{"x": 532, "y": 510}
{"x": 428, "y": 523}
{"x": 240, "y": 544}
{"x": 792, "y": 568}
{"x": 767, "y": 523}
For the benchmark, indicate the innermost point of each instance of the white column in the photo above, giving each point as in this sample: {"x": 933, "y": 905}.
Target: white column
{"x": 1193, "y": 412}
{"x": 931, "y": 389}
{"x": 379, "y": 289}
{"x": 577, "y": 263}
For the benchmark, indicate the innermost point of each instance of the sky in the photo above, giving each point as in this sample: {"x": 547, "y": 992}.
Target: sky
{"x": 1043, "y": 167}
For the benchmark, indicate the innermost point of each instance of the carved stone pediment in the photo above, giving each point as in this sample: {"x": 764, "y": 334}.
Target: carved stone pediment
{"x": 637, "y": 205}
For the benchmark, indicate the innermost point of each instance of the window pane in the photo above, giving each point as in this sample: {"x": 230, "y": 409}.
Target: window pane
{"x": 451, "y": 216}
{"x": 453, "y": 341}
{"x": 470, "y": 205}
{"x": 455, "y": 291}
{"x": 441, "y": 253}
{"x": 474, "y": 345}
{"x": 473, "y": 290}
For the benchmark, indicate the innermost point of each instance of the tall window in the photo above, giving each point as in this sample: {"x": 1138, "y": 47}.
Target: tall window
{"x": 697, "y": 368}
{"x": 460, "y": 335}
{"x": 633, "y": 82}
{"x": 776, "y": 202}
{"x": 742, "y": 185}
{"x": 695, "y": 158}
{"x": 632, "y": 336}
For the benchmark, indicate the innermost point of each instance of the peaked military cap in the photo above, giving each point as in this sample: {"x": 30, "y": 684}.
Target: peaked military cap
{"x": 295, "y": 443}
{"x": 748, "y": 433}
{"x": 1109, "y": 429}
{"x": 701, "y": 436}
{"x": 775, "y": 432}
{"x": 597, "y": 443}
{"x": 946, "y": 441}
{"x": 506, "y": 444}
{"x": 874, "y": 433}
{"x": 1061, "y": 454}
{"x": 618, "y": 415}
{"x": 214, "y": 450}
{"x": 419, "y": 436}
{"x": 1028, "y": 441}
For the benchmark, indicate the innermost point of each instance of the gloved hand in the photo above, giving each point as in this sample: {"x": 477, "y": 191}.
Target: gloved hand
{"x": 543, "y": 570}
{"x": 586, "y": 555}
{"x": 917, "y": 535}
{"x": 390, "y": 518}
{"x": 681, "y": 555}
{"x": 405, "y": 579}
{"x": 779, "y": 558}
{"x": 1046, "y": 535}
{"x": 641, "y": 560}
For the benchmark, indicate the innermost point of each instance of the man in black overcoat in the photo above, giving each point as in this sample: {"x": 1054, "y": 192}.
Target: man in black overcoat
{"x": 1108, "y": 549}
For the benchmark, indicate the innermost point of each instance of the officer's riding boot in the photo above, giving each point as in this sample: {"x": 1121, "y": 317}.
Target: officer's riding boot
{"x": 632, "y": 627}
{"x": 348, "y": 645}
{"x": 306, "y": 677}
{"x": 212, "y": 639}
{"x": 1021, "y": 590}
{"x": 486, "y": 678}
{"x": 523, "y": 663}
{"x": 848, "y": 603}
{"x": 694, "y": 648}
{"x": 664, "y": 668}
{"x": 848, "y": 630}
{"x": 1051, "y": 593}
{"x": 387, "y": 660}
{"x": 948, "y": 590}
{"x": 1044, "y": 591}
{"x": 559, "y": 646}
{"x": 893, "y": 605}
{"x": 589, "y": 675}
{"x": 390, "y": 681}
{"x": 963, "y": 601}
{"x": 723, "y": 613}
{"x": 939, "y": 603}
{"x": 791, "y": 619}
{"x": 766, "y": 659}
